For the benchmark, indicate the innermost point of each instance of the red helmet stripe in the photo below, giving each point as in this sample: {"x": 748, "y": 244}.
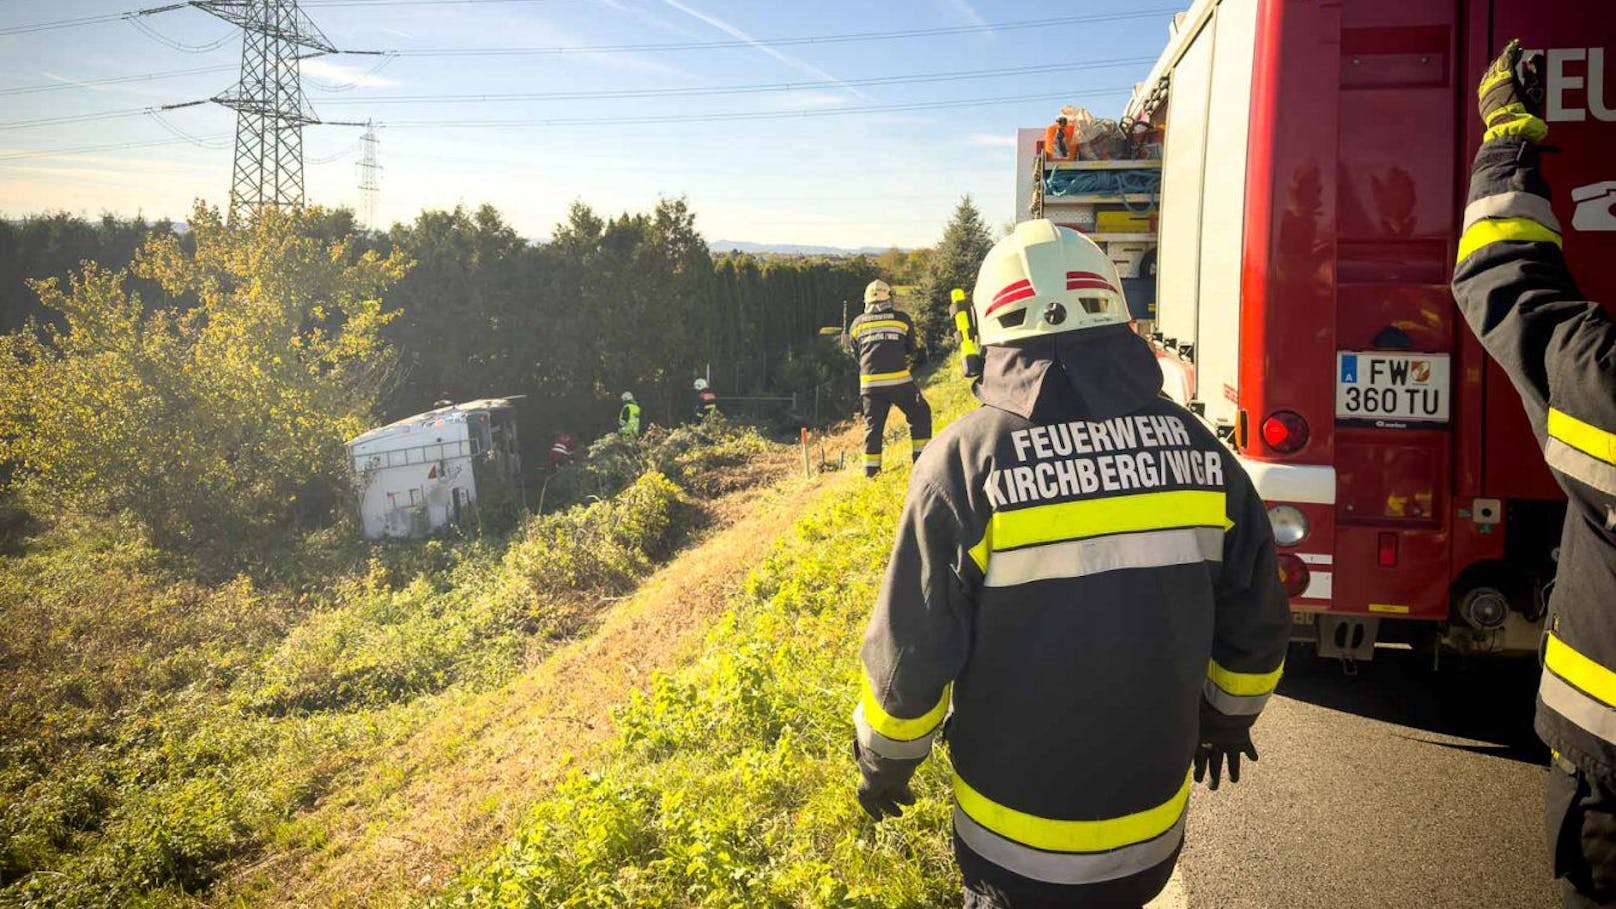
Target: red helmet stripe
{"x": 1011, "y": 294}
{"x": 1019, "y": 285}
{"x": 1090, "y": 285}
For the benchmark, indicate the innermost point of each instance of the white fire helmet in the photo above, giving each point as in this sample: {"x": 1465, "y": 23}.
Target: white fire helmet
{"x": 701, "y": 384}
{"x": 628, "y": 396}
{"x": 1042, "y": 280}
{"x": 877, "y": 291}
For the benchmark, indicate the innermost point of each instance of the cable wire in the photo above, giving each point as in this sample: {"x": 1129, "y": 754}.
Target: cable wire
{"x": 750, "y": 115}
{"x": 173, "y": 44}
{"x": 744, "y": 89}
{"x": 787, "y": 42}
{"x": 87, "y": 149}
{"x": 117, "y": 80}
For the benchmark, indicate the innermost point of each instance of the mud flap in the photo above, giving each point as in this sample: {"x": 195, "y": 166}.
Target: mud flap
{"x": 1347, "y": 636}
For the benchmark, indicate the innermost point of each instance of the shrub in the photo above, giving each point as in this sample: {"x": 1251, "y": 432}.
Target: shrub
{"x": 214, "y": 424}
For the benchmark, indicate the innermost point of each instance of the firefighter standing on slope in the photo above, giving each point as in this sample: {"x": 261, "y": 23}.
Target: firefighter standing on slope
{"x": 884, "y": 340}
{"x": 1559, "y": 350}
{"x": 1085, "y": 580}
{"x": 628, "y": 419}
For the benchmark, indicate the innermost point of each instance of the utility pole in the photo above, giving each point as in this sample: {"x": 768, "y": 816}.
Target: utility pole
{"x": 270, "y": 107}
{"x": 369, "y": 177}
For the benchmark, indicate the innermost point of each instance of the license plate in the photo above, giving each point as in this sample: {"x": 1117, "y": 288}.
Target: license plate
{"x": 1391, "y": 388}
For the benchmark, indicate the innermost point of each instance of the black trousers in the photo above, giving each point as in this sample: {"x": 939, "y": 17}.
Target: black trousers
{"x": 877, "y": 403}
{"x": 987, "y": 886}
{"x": 1580, "y": 820}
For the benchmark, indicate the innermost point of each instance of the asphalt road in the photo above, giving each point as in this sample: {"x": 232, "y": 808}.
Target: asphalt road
{"x": 1394, "y": 788}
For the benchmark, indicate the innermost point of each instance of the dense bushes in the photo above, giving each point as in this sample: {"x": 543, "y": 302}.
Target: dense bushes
{"x": 217, "y": 424}
{"x": 156, "y": 730}
{"x": 730, "y": 783}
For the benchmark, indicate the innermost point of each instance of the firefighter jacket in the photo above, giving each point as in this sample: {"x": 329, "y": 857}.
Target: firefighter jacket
{"x": 628, "y": 419}
{"x": 1079, "y": 565}
{"x": 884, "y": 341}
{"x": 1559, "y": 350}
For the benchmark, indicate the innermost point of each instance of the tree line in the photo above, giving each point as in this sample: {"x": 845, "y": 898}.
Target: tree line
{"x": 203, "y": 376}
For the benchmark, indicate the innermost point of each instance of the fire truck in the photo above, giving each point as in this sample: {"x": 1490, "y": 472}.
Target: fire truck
{"x": 1314, "y": 167}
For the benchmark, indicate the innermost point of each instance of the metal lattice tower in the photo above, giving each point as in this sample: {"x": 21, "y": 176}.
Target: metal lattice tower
{"x": 369, "y": 177}
{"x": 270, "y": 107}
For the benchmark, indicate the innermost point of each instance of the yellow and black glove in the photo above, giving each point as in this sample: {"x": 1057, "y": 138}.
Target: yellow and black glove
{"x": 1510, "y": 97}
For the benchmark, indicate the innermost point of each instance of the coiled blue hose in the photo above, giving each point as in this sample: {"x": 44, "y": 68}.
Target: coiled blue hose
{"x": 1059, "y": 183}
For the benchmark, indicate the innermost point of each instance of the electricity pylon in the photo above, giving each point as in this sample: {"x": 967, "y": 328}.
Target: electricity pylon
{"x": 270, "y": 107}
{"x": 369, "y": 177}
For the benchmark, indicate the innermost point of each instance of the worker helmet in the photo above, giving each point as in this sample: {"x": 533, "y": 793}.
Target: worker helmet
{"x": 877, "y": 291}
{"x": 700, "y": 384}
{"x": 628, "y": 396}
{"x": 1043, "y": 280}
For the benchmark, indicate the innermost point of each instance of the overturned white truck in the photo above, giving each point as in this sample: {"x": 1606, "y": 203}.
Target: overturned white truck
{"x": 421, "y": 474}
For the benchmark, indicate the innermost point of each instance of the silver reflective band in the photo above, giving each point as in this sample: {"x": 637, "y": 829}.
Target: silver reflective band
{"x": 1233, "y": 704}
{"x": 1566, "y": 700}
{"x": 897, "y": 749}
{"x": 1068, "y": 867}
{"x": 1580, "y": 465}
{"x": 1511, "y": 205}
{"x": 1077, "y": 558}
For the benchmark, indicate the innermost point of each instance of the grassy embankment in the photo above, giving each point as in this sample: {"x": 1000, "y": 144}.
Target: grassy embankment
{"x": 729, "y": 782}
{"x": 162, "y": 732}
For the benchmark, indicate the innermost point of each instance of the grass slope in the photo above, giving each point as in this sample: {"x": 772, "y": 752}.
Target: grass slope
{"x": 729, "y": 782}
{"x": 163, "y": 735}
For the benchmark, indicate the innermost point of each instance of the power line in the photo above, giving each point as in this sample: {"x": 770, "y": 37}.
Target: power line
{"x": 88, "y": 20}
{"x": 786, "y": 42}
{"x": 89, "y": 149}
{"x": 745, "y": 89}
{"x": 753, "y": 115}
{"x": 116, "y": 80}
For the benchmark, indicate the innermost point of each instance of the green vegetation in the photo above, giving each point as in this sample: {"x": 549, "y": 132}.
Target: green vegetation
{"x": 953, "y": 263}
{"x": 212, "y": 424}
{"x": 199, "y": 652}
{"x": 158, "y": 730}
{"x": 730, "y": 782}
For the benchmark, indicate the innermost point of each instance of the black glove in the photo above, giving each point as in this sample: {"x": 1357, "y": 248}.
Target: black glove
{"x": 1214, "y": 753}
{"x": 1510, "y": 97}
{"x": 884, "y": 787}
{"x": 973, "y": 365}
{"x": 1222, "y": 738}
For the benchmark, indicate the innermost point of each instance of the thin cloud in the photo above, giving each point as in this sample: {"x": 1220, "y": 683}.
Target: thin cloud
{"x": 740, "y": 35}
{"x": 643, "y": 15}
{"x": 968, "y": 11}
{"x": 343, "y": 74}
{"x": 991, "y": 140}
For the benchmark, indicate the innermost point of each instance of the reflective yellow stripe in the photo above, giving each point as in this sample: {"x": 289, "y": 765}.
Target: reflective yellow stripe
{"x": 884, "y": 376}
{"x": 979, "y": 552}
{"x": 883, "y": 323}
{"x": 872, "y": 459}
{"x": 1594, "y": 679}
{"x": 901, "y": 730}
{"x": 1495, "y": 230}
{"x": 1244, "y": 684}
{"x": 1585, "y": 437}
{"x": 1071, "y": 836}
{"x": 917, "y": 444}
{"x": 1115, "y": 514}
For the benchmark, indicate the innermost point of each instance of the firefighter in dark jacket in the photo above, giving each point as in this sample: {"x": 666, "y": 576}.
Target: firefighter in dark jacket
{"x": 1559, "y": 350}
{"x": 1084, "y": 583}
{"x": 884, "y": 340}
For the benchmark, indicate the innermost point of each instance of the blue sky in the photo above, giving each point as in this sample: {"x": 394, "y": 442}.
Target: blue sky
{"x": 875, "y": 178}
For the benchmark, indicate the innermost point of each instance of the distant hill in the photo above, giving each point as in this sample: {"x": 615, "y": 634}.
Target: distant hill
{"x": 791, "y": 249}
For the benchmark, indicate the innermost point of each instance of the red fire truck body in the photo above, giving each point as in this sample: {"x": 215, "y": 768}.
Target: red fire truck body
{"x": 1315, "y": 166}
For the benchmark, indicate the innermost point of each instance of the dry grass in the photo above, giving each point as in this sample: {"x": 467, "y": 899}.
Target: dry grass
{"x": 448, "y": 793}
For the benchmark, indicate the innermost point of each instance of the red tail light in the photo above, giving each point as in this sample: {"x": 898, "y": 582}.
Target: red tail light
{"x": 1284, "y": 431}
{"x": 1388, "y": 550}
{"x": 1292, "y": 574}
